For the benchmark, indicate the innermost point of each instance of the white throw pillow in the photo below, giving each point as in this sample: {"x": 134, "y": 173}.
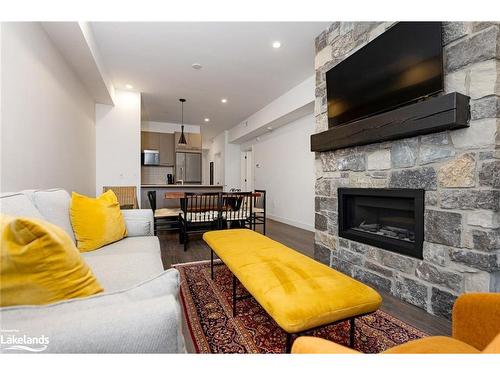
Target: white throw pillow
{"x": 18, "y": 204}
{"x": 54, "y": 206}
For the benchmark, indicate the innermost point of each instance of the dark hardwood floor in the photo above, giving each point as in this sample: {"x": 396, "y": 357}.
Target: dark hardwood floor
{"x": 301, "y": 240}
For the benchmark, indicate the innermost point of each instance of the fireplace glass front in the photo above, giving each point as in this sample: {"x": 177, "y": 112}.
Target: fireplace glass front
{"x": 391, "y": 219}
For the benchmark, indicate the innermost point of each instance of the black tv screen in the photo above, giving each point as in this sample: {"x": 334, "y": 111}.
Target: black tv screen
{"x": 401, "y": 65}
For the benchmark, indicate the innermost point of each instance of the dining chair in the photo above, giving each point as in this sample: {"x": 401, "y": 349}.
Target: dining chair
{"x": 127, "y": 196}
{"x": 163, "y": 218}
{"x": 259, "y": 210}
{"x": 199, "y": 213}
{"x": 236, "y": 210}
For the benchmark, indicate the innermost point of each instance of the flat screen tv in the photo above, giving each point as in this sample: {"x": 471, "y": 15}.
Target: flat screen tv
{"x": 400, "y": 66}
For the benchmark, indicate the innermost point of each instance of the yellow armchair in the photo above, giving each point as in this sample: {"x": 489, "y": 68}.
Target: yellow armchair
{"x": 475, "y": 329}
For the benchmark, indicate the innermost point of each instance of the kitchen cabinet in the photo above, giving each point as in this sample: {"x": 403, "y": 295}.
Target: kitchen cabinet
{"x": 193, "y": 142}
{"x": 167, "y": 149}
{"x": 163, "y": 142}
{"x": 150, "y": 141}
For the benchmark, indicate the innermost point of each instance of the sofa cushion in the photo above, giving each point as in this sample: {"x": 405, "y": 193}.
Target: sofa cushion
{"x": 96, "y": 221}
{"x": 40, "y": 264}
{"x": 125, "y": 263}
{"x": 142, "y": 319}
{"x": 53, "y": 204}
{"x": 18, "y": 204}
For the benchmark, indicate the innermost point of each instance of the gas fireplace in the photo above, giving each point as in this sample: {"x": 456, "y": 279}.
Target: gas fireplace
{"x": 392, "y": 219}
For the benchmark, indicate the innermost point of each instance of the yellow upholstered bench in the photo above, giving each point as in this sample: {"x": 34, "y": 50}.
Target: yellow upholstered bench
{"x": 299, "y": 293}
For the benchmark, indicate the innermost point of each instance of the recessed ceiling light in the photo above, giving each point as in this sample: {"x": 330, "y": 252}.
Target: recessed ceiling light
{"x": 269, "y": 128}
{"x": 206, "y": 119}
{"x": 276, "y": 44}
{"x": 129, "y": 86}
{"x": 196, "y": 66}
{"x": 223, "y": 100}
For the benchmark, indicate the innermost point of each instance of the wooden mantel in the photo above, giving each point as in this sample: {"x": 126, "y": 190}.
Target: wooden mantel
{"x": 437, "y": 114}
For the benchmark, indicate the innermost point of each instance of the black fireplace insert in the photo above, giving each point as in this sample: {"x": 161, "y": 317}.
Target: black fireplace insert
{"x": 392, "y": 219}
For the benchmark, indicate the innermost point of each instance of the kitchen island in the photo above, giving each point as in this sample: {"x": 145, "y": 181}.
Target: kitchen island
{"x": 161, "y": 189}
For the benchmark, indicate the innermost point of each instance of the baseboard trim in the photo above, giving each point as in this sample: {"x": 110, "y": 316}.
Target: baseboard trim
{"x": 293, "y": 223}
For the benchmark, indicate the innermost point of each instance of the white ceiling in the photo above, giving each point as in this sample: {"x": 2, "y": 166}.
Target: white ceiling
{"x": 238, "y": 61}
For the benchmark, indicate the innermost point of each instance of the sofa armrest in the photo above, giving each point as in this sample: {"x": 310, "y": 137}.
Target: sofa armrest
{"x": 476, "y": 318}
{"x": 143, "y": 319}
{"x": 315, "y": 345}
{"x": 139, "y": 222}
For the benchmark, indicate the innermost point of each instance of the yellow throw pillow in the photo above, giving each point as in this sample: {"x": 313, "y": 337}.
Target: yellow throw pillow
{"x": 96, "y": 221}
{"x": 40, "y": 264}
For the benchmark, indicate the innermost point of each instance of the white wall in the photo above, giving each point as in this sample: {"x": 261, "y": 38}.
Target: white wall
{"x": 47, "y": 119}
{"x": 229, "y": 166}
{"x": 118, "y": 142}
{"x": 167, "y": 127}
{"x": 217, "y": 150}
{"x": 284, "y": 167}
{"x": 232, "y": 166}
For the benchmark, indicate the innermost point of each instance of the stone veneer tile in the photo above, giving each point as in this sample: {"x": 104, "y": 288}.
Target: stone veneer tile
{"x": 380, "y": 159}
{"x": 468, "y": 199}
{"x": 352, "y": 162}
{"x": 411, "y": 291}
{"x": 399, "y": 262}
{"x": 439, "y": 276}
{"x": 443, "y": 227}
{"x": 322, "y": 254}
{"x": 487, "y": 107}
{"x": 442, "y": 302}
{"x": 455, "y": 30}
{"x": 483, "y": 79}
{"x": 475, "y": 48}
{"x": 431, "y": 153}
{"x": 422, "y": 178}
{"x": 483, "y": 261}
{"x": 486, "y": 240}
{"x": 485, "y": 219}
{"x": 479, "y": 134}
{"x": 460, "y": 172}
{"x": 379, "y": 282}
{"x": 404, "y": 153}
{"x": 490, "y": 174}
{"x": 320, "y": 222}
{"x": 437, "y": 254}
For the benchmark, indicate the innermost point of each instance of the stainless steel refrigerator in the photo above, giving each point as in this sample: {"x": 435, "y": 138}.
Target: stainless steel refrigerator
{"x": 188, "y": 167}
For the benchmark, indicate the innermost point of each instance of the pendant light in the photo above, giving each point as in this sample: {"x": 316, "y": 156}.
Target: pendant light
{"x": 182, "y": 139}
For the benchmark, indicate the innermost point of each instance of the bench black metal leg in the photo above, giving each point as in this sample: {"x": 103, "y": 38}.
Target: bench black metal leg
{"x": 352, "y": 329}
{"x": 234, "y": 296}
{"x": 212, "y": 263}
{"x": 288, "y": 345}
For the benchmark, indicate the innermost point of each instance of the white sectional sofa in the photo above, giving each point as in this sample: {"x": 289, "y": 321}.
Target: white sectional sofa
{"x": 138, "y": 312}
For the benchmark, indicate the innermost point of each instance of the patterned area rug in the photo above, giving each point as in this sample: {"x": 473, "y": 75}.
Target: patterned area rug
{"x": 208, "y": 309}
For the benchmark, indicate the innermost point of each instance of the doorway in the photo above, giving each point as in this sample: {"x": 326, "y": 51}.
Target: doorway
{"x": 218, "y": 169}
{"x": 246, "y": 179}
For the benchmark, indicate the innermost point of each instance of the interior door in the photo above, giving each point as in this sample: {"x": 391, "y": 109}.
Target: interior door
{"x": 249, "y": 171}
{"x": 246, "y": 181}
{"x": 218, "y": 169}
{"x": 193, "y": 167}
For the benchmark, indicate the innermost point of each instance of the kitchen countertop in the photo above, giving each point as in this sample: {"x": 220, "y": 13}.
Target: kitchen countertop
{"x": 177, "y": 186}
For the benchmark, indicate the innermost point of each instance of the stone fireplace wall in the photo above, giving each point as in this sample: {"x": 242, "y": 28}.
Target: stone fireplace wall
{"x": 459, "y": 170}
